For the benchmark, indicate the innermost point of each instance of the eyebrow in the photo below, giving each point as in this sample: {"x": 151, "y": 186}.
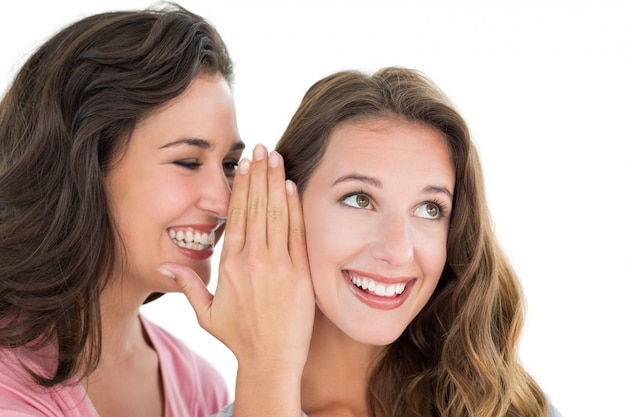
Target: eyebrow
{"x": 357, "y": 177}
{"x": 201, "y": 143}
{"x": 439, "y": 190}
{"x": 374, "y": 182}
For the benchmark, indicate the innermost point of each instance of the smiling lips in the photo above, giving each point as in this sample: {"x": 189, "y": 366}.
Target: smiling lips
{"x": 191, "y": 239}
{"x": 378, "y": 294}
{"x": 378, "y": 288}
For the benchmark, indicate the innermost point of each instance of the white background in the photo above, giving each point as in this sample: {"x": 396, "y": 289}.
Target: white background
{"x": 541, "y": 84}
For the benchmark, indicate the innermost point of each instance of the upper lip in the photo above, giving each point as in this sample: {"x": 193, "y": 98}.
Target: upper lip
{"x": 383, "y": 279}
{"x": 206, "y": 227}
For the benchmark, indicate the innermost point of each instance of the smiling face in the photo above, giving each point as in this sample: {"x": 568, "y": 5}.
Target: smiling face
{"x": 377, "y": 211}
{"x": 169, "y": 191}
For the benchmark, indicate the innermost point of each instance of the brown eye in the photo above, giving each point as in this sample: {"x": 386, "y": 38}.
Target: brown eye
{"x": 362, "y": 200}
{"x": 428, "y": 211}
{"x": 358, "y": 201}
{"x": 230, "y": 168}
{"x": 432, "y": 210}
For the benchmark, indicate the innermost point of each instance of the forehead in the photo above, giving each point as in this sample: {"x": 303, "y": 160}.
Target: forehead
{"x": 394, "y": 152}
{"x": 384, "y": 138}
{"x": 205, "y": 110}
{"x": 205, "y": 92}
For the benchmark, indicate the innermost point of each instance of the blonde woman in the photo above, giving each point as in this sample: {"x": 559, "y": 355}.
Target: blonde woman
{"x": 418, "y": 312}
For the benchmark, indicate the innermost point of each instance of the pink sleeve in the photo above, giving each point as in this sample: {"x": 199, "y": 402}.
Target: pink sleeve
{"x": 21, "y": 396}
{"x": 13, "y": 407}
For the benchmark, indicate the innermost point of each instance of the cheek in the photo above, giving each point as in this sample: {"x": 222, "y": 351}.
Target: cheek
{"x": 165, "y": 194}
{"x": 151, "y": 205}
{"x": 318, "y": 238}
{"x": 327, "y": 244}
{"x": 432, "y": 254}
{"x": 330, "y": 232}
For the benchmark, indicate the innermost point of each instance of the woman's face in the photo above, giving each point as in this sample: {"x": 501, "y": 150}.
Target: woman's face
{"x": 169, "y": 192}
{"x": 377, "y": 211}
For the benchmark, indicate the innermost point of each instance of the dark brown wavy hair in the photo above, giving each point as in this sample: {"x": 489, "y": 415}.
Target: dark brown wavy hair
{"x": 68, "y": 114}
{"x": 457, "y": 358}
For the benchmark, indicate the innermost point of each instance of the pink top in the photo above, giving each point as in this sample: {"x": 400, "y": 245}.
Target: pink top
{"x": 192, "y": 387}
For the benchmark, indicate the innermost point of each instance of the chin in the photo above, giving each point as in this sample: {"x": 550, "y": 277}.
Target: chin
{"x": 376, "y": 337}
{"x": 205, "y": 276}
{"x": 203, "y": 270}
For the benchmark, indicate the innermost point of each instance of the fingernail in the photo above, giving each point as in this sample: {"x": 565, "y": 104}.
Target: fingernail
{"x": 291, "y": 187}
{"x": 259, "y": 152}
{"x": 244, "y": 166}
{"x": 273, "y": 159}
{"x": 166, "y": 272}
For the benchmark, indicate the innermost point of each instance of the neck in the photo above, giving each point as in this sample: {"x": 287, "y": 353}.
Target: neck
{"x": 127, "y": 380}
{"x": 122, "y": 333}
{"x": 336, "y": 372}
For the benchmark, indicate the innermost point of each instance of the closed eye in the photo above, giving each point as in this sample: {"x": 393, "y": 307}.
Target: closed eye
{"x": 190, "y": 164}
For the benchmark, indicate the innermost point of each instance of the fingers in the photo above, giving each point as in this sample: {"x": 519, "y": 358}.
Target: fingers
{"x": 235, "y": 232}
{"x": 277, "y": 212}
{"x": 258, "y": 210}
{"x": 297, "y": 238}
{"x": 194, "y": 289}
{"x": 256, "y": 234}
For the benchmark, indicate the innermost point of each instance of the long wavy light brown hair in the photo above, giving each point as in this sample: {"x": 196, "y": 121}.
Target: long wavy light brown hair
{"x": 457, "y": 358}
{"x": 68, "y": 114}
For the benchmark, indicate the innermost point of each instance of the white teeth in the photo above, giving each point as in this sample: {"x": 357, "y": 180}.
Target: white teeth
{"x": 191, "y": 240}
{"x": 390, "y": 291}
{"x": 378, "y": 288}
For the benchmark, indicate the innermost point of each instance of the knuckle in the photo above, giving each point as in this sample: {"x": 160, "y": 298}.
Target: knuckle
{"x": 253, "y": 265}
{"x": 275, "y": 212}
{"x": 297, "y": 233}
{"x": 236, "y": 214}
{"x": 255, "y": 206}
{"x": 229, "y": 267}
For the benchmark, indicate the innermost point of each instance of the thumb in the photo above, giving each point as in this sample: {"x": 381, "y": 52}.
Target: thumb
{"x": 194, "y": 289}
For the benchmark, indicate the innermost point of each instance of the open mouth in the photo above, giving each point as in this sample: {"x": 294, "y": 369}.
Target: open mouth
{"x": 192, "y": 239}
{"x": 380, "y": 289}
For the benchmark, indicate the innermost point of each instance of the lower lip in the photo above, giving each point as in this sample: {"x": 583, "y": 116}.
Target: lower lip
{"x": 198, "y": 255}
{"x": 376, "y": 301}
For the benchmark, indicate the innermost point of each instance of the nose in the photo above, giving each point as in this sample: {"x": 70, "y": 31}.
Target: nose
{"x": 393, "y": 243}
{"x": 214, "y": 193}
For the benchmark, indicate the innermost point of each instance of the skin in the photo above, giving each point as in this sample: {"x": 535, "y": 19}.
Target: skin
{"x": 377, "y": 207}
{"x": 395, "y": 239}
{"x": 263, "y": 306}
{"x": 176, "y": 174}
